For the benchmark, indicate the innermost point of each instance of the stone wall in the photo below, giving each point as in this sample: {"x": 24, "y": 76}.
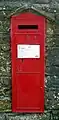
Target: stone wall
{"x": 50, "y": 9}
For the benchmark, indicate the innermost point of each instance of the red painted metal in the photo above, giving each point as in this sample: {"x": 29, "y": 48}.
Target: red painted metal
{"x": 27, "y": 73}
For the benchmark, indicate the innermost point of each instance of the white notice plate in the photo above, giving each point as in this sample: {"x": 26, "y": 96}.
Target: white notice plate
{"x": 28, "y": 51}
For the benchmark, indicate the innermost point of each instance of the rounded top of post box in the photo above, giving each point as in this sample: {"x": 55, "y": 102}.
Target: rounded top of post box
{"x": 27, "y": 15}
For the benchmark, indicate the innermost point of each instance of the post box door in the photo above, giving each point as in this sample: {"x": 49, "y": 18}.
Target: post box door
{"x": 27, "y": 48}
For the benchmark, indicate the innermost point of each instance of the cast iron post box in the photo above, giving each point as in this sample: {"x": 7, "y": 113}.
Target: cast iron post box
{"x": 27, "y": 51}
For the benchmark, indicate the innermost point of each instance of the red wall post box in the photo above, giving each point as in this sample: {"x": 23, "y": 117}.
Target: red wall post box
{"x": 27, "y": 51}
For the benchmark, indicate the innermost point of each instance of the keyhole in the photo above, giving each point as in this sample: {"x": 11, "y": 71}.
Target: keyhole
{"x": 22, "y": 60}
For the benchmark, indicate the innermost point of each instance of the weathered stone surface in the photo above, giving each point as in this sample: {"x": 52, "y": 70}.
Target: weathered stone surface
{"x": 18, "y": 2}
{"x": 52, "y": 92}
{"x": 52, "y": 60}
